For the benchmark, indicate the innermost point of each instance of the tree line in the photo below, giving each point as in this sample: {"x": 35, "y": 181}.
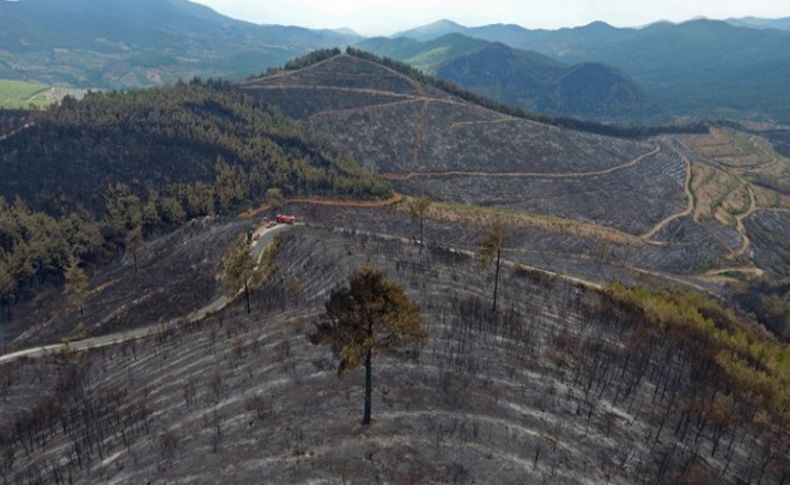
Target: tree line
{"x": 301, "y": 62}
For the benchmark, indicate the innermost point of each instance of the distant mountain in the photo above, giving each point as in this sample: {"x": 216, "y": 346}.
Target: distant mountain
{"x": 424, "y": 55}
{"x": 702, "y": 67}
{"x": 119, "y": 43}
{"x": 760, "y": 23}
{"x": 524, "y": 78}
{"x": 434, "y": 30}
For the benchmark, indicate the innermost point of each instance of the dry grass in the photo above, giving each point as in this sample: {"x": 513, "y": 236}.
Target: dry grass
{"x": 481, "y": 215}
{"x": 751, "y": 157}
{"x": 717, "y": 194}
{"x": 770, "y": 198}
{"x": 369, "y": 204}
{"x": 731, "y": 148}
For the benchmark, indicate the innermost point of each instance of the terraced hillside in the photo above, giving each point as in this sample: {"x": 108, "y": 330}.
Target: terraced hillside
{"x": 560, "y": 387}
{"x": 744, "y": 183}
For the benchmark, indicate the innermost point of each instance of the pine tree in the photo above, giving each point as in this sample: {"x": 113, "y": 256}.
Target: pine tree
{"x": 371, "y": 313}
{"x": 76, "y": 285}
{"x": 134, "y": 241}
{"x": 239, "y": 269}
{"x": 275, "y": 199}
{"x": 231, "y": 185}
{"x": 418, "y": 208}
{"x": 151, "y": 217}
{"x": 490, "y": 249}
{"x": 7, "y": 283}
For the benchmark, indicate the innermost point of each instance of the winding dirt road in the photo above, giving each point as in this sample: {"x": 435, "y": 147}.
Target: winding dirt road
{"x": 265, "y": 237}
{"x": 689, "y": 210}
{"x": 561, "y": 175}
{"x": 745, "y": 241}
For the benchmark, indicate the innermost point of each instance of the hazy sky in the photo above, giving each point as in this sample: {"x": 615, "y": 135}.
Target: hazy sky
{"x": 371, "y": 17}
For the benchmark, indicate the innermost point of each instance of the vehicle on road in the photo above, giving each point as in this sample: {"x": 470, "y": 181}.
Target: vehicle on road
{"x": 283, "y": 219}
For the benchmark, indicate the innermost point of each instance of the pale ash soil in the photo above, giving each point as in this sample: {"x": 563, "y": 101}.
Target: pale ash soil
{"x": 657, "y": 182}
{"x": 551, "y": 391}
{"x": 768, "y": 231}
{"x": 422, "y": 128}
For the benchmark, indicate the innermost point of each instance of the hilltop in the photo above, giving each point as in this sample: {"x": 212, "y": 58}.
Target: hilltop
{"x": 404, "y": 128}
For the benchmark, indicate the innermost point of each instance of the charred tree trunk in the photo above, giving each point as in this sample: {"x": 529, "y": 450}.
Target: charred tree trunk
{"x": 422, "y": 234}
{"x": 496, "y": 277}
{"x": 368, "y": 386}
{"x": 247, "y": 296}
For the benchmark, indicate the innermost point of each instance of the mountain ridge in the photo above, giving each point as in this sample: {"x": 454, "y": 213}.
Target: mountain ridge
{"x": 528, "y": 79}
{"x": 700, "y": 67}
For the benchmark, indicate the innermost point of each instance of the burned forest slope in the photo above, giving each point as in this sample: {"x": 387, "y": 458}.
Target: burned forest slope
{"x": 429, "y": 141}
{"x": 564, "y": 385}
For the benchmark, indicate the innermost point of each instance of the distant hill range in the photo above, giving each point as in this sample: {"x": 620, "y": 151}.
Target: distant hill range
{"x": 702, "y": 67}
{"x": 524, "y": 78}
{"x": 120, "y": 43}
{"x": 758, "y": 23}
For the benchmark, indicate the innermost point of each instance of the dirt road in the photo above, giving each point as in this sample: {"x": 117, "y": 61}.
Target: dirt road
{"x": 689, "y": 210}
{"x": 18, "y": 130}
{"x": 561, "y": 175}
{"x": 265, "y": 237}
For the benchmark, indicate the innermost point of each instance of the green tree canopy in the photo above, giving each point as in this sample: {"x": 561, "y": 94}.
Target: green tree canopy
{"x": 76, "y": 285}
{"x": 134, "y": 241}
{"x": 275, "y": 198}
{"x": 239, "y": 269}
{"x": 7, "y": 281}
{"x": 371, "y": 313}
